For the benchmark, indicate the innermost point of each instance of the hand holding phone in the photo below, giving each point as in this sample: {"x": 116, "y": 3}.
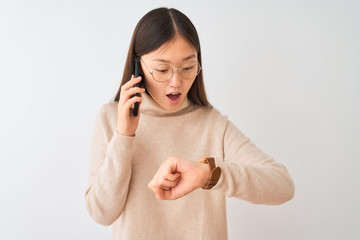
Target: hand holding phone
{"x": 129, "y": 100}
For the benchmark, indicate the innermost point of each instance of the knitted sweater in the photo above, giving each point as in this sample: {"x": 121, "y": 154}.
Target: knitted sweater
{"x": 121, "y": 168}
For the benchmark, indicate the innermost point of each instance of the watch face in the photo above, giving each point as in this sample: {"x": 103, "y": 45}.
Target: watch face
{"x": 215, "y": 171}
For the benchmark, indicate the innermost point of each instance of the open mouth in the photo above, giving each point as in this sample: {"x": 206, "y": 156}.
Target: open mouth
{"x": 173, "y": 97}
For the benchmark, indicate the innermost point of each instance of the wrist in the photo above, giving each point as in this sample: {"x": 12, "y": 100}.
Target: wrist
{"x": 215, "y": 172}
{"x": 125, "y": 134}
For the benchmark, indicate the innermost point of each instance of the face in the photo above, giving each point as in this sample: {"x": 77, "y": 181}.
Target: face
{"x": 170, "y": 94}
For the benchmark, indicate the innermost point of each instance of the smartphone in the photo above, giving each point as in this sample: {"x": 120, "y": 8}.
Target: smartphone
{"x": 136, "y": 73}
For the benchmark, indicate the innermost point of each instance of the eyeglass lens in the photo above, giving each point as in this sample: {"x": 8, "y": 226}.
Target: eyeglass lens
{"x": 189, "y": 70}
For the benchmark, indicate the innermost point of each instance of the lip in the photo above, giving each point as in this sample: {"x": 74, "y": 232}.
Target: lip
{"x": 176, "y": 100}
{"x": 173, "y": 92}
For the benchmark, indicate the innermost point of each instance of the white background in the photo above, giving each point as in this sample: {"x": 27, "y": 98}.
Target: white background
{"x": 286, "y": 73}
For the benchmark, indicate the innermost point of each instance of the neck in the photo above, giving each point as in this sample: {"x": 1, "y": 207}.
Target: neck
{"x": 150, "y": 107}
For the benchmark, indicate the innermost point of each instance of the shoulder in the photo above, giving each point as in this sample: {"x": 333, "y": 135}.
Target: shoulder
{"x": 107, "y": 114}
{"x": 212, "y": 113}
{"x": 108, "y": 109}
{"x": 216, "y": 119}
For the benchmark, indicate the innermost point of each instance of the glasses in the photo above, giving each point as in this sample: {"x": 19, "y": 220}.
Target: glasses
{"x": 163, "y": 72}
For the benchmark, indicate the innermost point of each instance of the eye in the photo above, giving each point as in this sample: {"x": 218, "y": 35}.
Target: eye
{"x": 163, "y": 68}
{"x": 187, "y": 68}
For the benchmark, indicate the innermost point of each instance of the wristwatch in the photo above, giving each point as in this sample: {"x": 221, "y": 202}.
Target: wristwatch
{"x": 215, "y": 172}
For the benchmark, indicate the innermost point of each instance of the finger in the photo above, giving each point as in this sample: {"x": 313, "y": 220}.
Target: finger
{"x": 165, "y": 188}
{"x": 160, "y": 194}
{"x": 130, "y": 92}
{"x": 132, "y": 101}
{"x": 172, "y": 176}
{"x": 131, "y": 83}
{"x": 166, "y": 184}
{"x": 133, "y": 80}
{"x": 125, "y": 96}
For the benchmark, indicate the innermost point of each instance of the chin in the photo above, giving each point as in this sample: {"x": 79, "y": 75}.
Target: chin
{"x": 171, "y": 108}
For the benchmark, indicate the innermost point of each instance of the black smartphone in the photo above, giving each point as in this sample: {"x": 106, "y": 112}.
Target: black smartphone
{"x": 136, "y": 73}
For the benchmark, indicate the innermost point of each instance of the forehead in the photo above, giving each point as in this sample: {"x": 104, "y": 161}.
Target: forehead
{"x": 174, "y": 51}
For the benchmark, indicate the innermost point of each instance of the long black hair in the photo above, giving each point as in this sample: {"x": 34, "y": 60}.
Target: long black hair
{"x": 155, "y": 28}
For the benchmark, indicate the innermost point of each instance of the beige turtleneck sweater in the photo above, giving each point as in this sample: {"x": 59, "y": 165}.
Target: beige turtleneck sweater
{"x": 121, "y": 168}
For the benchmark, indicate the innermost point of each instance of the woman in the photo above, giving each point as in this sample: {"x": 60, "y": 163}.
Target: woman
{"x": 177, "y": 148}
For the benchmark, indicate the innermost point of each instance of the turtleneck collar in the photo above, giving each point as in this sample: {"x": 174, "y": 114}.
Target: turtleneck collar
{"x": 150, "y": 107}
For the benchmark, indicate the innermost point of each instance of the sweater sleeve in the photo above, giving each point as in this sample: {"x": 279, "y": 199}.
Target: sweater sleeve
{"x": 109, "y": 171}
{"x": 250, "y": 174}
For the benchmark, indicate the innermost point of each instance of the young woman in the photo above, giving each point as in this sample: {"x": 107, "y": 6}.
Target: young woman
{"x": 177, "y": 148}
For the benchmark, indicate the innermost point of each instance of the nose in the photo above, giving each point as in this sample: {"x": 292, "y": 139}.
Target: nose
{"x": 175, "y": 80}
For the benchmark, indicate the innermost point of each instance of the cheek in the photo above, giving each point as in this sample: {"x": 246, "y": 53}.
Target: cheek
{"x": 146, "y": 74}
{"x": 189, "y": 84}
{"x": 151, "y": 86}
{"x": 147, "y": 80}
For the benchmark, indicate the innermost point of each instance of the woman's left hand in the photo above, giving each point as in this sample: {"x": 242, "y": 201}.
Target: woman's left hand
{"x": 177, "y": 177}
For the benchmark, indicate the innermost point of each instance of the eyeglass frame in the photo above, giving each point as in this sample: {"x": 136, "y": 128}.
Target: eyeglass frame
{"x": 172, "y": 70}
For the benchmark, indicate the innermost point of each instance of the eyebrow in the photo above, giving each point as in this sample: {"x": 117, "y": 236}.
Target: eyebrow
{"x": 167, "y": 61}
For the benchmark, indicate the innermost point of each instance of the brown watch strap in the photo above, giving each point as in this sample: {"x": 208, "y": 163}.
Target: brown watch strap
{"x": 215, "y": 172}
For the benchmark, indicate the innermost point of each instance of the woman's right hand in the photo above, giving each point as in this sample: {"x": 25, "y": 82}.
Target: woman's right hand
{"x": 127, "y": 123}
